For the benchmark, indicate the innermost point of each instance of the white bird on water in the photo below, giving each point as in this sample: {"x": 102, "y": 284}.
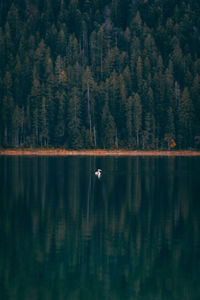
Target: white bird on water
{"x": 98, "y": 173}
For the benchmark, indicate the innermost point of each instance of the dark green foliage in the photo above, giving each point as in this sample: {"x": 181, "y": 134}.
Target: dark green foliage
{"x": 108, "y": 128}
{"x": 186, "y": 120}
{"x": 137, "y": 117}
{"x": 88, "y": 74}
{"x": 75, "y": 140}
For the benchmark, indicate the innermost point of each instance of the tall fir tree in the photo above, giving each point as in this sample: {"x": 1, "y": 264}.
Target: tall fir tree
{"x": 75, "y": 138}
{"x": 185, "y": 120}
{"x": 137, "y": 116}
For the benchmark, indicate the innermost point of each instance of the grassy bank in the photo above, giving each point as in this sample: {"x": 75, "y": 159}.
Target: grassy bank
{"x": 96, "y": 152}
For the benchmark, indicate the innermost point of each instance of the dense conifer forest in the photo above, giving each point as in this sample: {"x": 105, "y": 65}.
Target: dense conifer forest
{"x": 100, "y": 74}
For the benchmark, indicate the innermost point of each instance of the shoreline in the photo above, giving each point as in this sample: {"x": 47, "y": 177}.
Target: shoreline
{"x": 96, "y": 152}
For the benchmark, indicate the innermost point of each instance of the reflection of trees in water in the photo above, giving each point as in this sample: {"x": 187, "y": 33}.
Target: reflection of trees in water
{"x": 132, "y": 231}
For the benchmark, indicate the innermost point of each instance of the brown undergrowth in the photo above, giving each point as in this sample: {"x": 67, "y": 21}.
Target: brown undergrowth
{"x": 96, "y": 152}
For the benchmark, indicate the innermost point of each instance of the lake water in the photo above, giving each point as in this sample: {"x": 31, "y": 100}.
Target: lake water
{"x": 132, "y": 234}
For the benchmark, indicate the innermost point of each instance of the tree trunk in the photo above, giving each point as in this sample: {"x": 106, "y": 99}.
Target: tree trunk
{"x": 116, "y": 139}
{"x": 137, "y": 139}
{"x": 95, "y": 141}
{"x": 89, "y": 114}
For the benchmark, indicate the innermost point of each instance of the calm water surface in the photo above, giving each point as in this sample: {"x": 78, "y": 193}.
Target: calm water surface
{"x": 133, "y": 234}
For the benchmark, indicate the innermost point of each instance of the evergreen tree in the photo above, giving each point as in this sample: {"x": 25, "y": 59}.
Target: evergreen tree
{"x": 16, "y": 120}
{"x": 129, "y": 122}
{"x": 40, "y": 57}
{"x": 139, "y": 72}
{"x": 108, "y": 127}
{"x": 72, "y": 51}
{"x": 7, "y": 109}
{"x": 185, "y": 120}
{"x": 75, "y": 140}
{"x": 88, "y": 89}
{"x": 195, "y": 95}
{"x": 14, "y": 23}
{"x": 51, "y": 106}
{"x": 60, "y": 119}
{"x": 44, "y": 134}
{"x": 61, "y": 42}
{"x": 170, "y": 129}
{"x": 2, "y": 51}
{"x": 137, "y": 116}
{"x": 34, "y": 101}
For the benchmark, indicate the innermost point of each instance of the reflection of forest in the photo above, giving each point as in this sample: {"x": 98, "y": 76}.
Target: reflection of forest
{"x": 133, "y": 234}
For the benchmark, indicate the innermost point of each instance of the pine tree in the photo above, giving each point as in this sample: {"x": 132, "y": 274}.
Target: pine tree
{"x": 9, "y": 46}
{"x": 51, "y": 106}
{"x": 50, "y": 39}
{"x": 44, "y": 136}
{"x": 113, "y": 88}
{"x": 139, "y": 72}
{"x": 61, "y": 42}
{"x": 2, "y": 51}
{"x": 34, "y": 100}
{"x": 185, "y": 120}
{"x": 96, "y": 53}
{"x": 40, "y": 59}
{"x": 150, "y": 122}
{"x": 195, "y": 95}
{"x": 121, "y": 131}
{"x": 16, "y": 126}
{"x": 72, "y": 51}
{"x": 136, "y": 24}
{"x": 14, "y": 23}
{"x": 88, "y": 89}
{"x": 137, "y": 116}
{"x": 127, "y": 80}
{"x": 129, "y": 122}
{"x": 60, "y": 118}
{"x": 7, "y": 109}
{"x": 108, "y": 127}
{"x": 178, "y": 62}
{"x": 170, "y": 129}
{"x": 75, "y": 140}
{"x": 59, "y": 69}
{"x": 18, "y": 83}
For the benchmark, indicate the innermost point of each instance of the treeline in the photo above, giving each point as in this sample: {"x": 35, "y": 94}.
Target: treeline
{"x": 100, "y": 74}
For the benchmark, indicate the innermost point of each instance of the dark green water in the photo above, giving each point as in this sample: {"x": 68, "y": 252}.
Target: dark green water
{"x": 133, "y": 234}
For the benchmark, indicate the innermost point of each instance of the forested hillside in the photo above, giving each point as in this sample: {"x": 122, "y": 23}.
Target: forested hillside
{"x": 100, "y": 74}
